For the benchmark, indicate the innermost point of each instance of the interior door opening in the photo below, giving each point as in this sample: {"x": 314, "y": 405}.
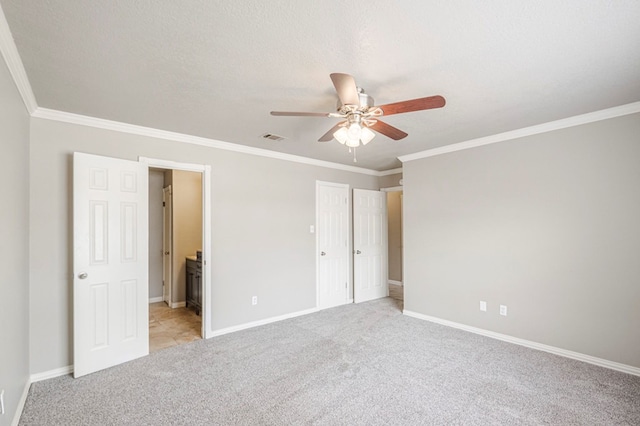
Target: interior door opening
{"x": 395, "y": 243}
{"x": 175, "y": 296}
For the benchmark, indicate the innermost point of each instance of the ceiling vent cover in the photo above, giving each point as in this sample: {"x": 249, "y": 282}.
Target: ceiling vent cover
{"x": 273, "y": 137}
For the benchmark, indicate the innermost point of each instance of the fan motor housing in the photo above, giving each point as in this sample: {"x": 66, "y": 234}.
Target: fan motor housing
{"x": 366, "y": 102}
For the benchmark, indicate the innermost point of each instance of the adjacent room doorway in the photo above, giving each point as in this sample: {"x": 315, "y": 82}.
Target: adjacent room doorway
{"x": 111, "y": 258}
{"x": 395, "y": 201}
{"x": 175, "y": 239}
{"x": 181, "y": 211}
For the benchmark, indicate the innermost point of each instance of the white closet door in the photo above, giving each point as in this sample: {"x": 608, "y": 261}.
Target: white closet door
{"x": 332, "y": 244}
{"x": 370, "y": 245}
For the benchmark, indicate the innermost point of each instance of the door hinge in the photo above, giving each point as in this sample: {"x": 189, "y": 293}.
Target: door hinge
{"x": 163, "y": 204}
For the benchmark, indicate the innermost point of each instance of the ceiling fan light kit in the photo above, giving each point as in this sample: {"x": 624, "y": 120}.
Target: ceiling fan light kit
{"x": 354, "y": 135}
{"x": 361, "y": 116}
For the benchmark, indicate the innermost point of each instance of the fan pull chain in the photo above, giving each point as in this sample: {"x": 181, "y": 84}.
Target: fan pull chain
{"x": 355, "y": 160}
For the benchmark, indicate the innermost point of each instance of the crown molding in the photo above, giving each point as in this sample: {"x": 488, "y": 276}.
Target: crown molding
{"x": 14, "y": 63}
{"x": 390, "y": 172}
{"x": 83, "y": 120}
{"x": 577, "y": 120}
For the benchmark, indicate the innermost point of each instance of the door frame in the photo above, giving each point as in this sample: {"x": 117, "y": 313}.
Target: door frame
{"x": 205, "y": 169}
{"x": 349, "y": 291}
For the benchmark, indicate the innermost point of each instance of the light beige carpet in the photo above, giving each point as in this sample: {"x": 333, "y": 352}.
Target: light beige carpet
{"x": 364, "y": 364}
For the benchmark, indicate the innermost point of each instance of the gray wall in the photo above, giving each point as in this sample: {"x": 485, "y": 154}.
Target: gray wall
{"x": 261, "y": 212}
{"x": 389, "y": 181}
{"x": 14, "y": 248}
{"x": 548, "y": 225}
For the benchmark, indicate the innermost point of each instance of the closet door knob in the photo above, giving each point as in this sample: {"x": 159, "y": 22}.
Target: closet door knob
{"x": 322, "y": 253}
{"x": 83, "y": 275}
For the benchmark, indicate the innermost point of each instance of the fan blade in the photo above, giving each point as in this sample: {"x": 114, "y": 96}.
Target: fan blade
{"x": 301, "y": 114}
{"x": 388, "y": 130}
{"x": 413, "y": 105}
{"x": 346, "y": 87}
{"x": 329, "y": 135}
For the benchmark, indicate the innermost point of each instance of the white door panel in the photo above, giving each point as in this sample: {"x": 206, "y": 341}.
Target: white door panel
{"x": 332, "y": 244}
{"x": 111, "y": 292}
{"x": 370, "y": 245}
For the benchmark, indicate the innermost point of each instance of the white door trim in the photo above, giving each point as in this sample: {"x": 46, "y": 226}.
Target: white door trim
{"x": 349, "y": 241}
{"x": 205, "y": 169}
{"x": 392, "y": 189}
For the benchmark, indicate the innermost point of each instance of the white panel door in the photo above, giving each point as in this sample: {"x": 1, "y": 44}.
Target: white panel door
{"x": 332, "y": 244}
{"x": 370, "y": 245}
{"x": 167, "y": 238}
{"x": 110, "y": 262}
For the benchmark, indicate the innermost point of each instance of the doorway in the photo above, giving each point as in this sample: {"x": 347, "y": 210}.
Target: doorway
{"x": 395, "y": 242}
{"x": 111, "y": 258}
{"x": 180, "y": 252}
{"x": 344, "y": 258}
{"x": 175, "y": 317}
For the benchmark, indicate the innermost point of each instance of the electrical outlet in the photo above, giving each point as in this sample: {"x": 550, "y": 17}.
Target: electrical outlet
{"x": 254, "y": 300}
{"x": 503, "y": 310}
{"x": 483, "y": 306}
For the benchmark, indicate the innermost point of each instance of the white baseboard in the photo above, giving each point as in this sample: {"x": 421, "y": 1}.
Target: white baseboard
{"x": 529, "y": 344}
{"x": 36, "y": 378}
{"x": 394, "y": 282}
{"x": 258, "y": 323}
{"x": 178, "y": 305}
{"x": 156, "y": 299}
{"x": 62, "y": 371}
{"x": 21, "y": 402}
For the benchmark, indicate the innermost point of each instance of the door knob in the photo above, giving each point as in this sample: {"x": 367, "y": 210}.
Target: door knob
{"x": 358, "y": 252}
{"x": 322, "y": 253}
{"x": 83, "y": 275}
{"x": 166, "y": 252}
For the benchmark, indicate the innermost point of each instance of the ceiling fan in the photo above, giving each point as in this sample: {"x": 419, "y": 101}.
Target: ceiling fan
{"x": 361, "y": 116}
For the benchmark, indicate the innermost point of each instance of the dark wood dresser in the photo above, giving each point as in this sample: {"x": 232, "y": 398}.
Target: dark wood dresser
{"x": 194, "y": 282}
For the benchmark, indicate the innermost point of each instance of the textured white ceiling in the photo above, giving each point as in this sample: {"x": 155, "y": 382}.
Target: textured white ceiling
{"x": 216, "y": 68}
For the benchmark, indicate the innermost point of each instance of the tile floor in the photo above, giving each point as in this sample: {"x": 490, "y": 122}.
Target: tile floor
{"x": 170, "y": 327}
{"x": 397, "y": 292}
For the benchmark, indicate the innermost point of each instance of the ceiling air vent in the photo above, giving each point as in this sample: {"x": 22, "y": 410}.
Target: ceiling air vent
{"x": 273, "y": 137}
